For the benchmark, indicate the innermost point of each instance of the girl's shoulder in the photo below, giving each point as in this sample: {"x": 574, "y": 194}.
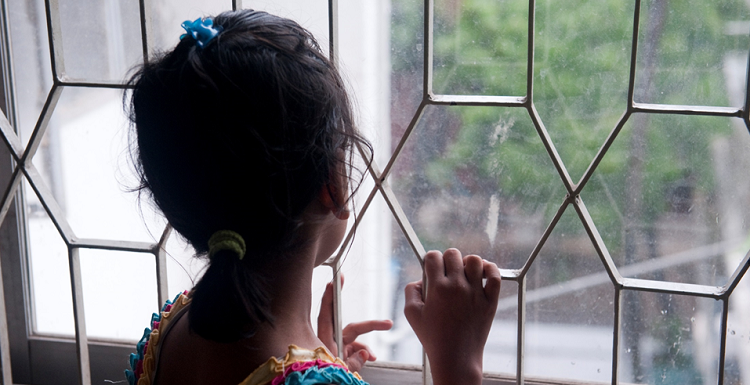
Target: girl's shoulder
{"x": 301, "y": 367}
{"x": 143, "y": 361}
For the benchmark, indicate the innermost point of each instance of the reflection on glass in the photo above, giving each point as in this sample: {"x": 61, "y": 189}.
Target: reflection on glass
{"x": 669, "y": 339}
{"x": 581, "y": 73}
{"x": 667, "y": 201}
{"x": 480, "y": 47}
{"x": 84, "y": 160}
{"x": 692, "y": 52}
{"x": 569, "y": 308}
{"x": 478, "y": 179}
{"x": 118, "y": 286}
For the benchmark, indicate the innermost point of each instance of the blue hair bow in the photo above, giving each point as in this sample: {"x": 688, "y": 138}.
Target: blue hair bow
{"x": 200, "y": 30}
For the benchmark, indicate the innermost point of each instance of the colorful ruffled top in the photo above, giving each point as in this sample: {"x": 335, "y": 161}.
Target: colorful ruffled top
{"x": 298, "y": 367}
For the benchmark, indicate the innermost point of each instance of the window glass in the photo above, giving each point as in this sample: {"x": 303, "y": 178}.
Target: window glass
{"x": 738, "y": 332}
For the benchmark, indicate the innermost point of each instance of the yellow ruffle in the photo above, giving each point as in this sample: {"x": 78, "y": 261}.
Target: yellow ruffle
{"x": 149, "y": 359}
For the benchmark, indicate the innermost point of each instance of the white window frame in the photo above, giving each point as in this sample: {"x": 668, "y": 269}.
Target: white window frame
{"x": 41, "y": 360}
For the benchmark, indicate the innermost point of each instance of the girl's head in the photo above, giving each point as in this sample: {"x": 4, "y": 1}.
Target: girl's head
{"x": 241, "y": 134}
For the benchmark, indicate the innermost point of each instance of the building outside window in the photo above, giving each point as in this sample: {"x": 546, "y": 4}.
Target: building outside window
{"x": 595, "y": 150}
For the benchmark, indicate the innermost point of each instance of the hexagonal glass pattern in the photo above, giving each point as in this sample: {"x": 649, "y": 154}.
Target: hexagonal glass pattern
{"x": 580, "y": 82}
{"x": 666, "y": 199}
{"x": 100, "y": 40}
{"x": 691, "y": 51}
{"x": 478, "y": 179}
{"x": 480, "y": 47}
{"x": 569, "y": 308}
{"x": 669, "y": 339}
{"x": 84, "y": 158}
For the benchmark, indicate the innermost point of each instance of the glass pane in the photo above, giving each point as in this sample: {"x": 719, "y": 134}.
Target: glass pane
{"x": 666, "y": 197}
{"x": 49, "y": 272}
{"x": 581, "y": 73}
{"x": 119, "y": 293}
{"x": 311, "y": 14}
{"x": 377, "y": 268}
{"x": 736, "y": 370}
{"x": 101, "y": 40}
{"x": 480, "y": 47}
{"x": 570, "y": 308}
{"x": 501, "y": 352}
{"x": 691, "y": 51}
{"x": 85, "y": 161}
{"x": 478, "y": 179}
{"x": 669, "y": 339}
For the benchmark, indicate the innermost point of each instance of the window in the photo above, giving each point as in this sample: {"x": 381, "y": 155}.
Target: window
{"x": 595, "y": 149}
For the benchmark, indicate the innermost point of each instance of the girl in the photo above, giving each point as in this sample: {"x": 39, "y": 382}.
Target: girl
{"x": 244, "y": 137}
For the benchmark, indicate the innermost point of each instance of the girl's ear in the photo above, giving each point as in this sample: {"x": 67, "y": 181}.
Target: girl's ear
{"x": 334, "y": 199}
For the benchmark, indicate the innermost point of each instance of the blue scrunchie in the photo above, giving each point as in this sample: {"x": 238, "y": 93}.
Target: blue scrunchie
{"x": 201, "y": 30}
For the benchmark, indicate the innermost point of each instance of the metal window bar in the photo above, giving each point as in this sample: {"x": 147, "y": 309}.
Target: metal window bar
{"x": 26, "y": 169}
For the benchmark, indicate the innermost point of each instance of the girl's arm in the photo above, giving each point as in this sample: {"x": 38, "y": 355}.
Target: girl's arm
{"x": 453, "y": 317}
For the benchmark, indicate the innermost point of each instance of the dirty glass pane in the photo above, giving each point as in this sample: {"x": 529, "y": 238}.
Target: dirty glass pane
{"x": 569, "y": 308}
{"x": 692, "y": 52}
{"x": 669, "y": 339}
{"x": 478, "y": 179}
{"x": 581, "y": 73}
{"x": 480, "y": 47}
{"x": 407, "y": 64}
{"x": 666, "y": 198}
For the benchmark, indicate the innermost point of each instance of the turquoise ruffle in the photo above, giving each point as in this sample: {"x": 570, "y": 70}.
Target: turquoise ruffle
{"x": 326, "y": 375}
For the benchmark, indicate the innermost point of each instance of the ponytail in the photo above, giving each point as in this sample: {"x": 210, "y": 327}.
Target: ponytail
{"x": 230, "y": 300}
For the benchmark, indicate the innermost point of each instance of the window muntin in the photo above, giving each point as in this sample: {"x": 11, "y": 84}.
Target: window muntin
{"x": 563, "y": 221}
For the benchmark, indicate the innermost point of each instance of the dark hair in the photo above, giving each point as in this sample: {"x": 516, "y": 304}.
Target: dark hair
{"x": 240, "y": 135}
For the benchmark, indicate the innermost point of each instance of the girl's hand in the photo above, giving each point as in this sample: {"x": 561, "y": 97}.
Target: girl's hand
{"x": 356, "y": 354}
{"x": 453, "y": 318}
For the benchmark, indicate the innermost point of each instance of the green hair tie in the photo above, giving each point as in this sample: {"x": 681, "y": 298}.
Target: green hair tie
{"x": 226, "y": 240}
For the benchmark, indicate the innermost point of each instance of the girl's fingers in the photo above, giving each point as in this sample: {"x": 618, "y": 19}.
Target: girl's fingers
{"x": 492, "y": 287}
{"x": 356, "y": 329}
{"x": 325, "y": 317}
{"x": 433, "y": 264}
{"x": 453, "y": 262}
{"x": 413, "y": 301}
{"x": 474, "y": 268}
